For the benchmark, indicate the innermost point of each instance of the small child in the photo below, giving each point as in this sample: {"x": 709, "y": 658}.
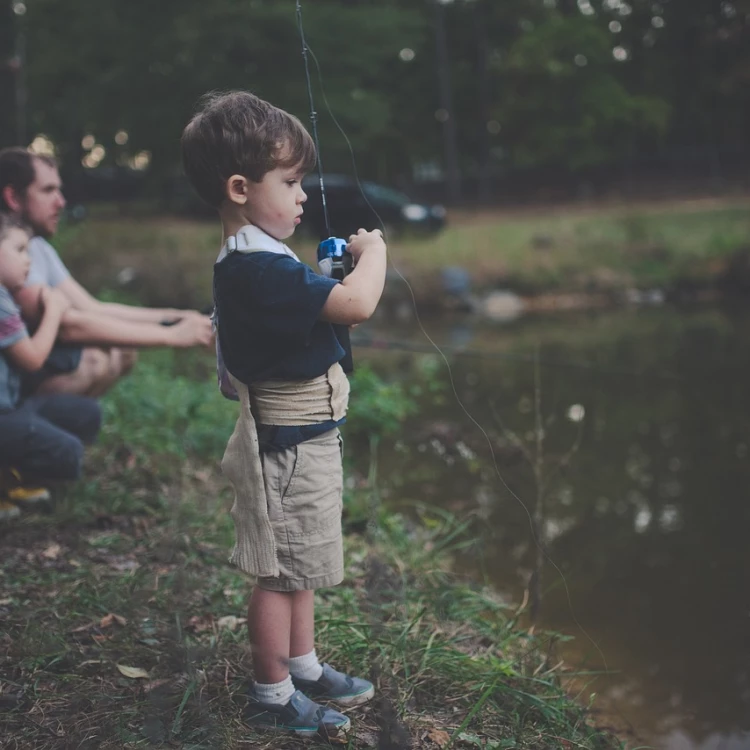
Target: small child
{"x": 41, "y": 437}
{"x": 275, "y": 319}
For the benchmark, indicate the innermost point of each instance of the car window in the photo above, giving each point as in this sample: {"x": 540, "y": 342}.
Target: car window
{"x": 384, "y": 195}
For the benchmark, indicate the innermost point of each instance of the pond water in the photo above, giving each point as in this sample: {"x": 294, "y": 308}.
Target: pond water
{"x": 648, "y": 518}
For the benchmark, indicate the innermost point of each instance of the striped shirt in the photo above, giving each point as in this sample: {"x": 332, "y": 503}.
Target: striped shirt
{"x": 12, "y": 330}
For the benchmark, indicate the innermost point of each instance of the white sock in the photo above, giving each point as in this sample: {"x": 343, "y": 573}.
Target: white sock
{"x": 306, "y": 667}
{"x": 277, "y": 692}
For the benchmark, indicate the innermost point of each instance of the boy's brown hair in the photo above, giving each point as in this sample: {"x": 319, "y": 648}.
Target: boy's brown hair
{"x": 239, "y": 133}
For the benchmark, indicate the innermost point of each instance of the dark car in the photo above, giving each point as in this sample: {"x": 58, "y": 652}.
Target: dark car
{"x": 348, "y": 208}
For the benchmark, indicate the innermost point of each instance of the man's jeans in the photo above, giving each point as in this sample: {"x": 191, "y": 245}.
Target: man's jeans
{"x": 43, "y": 438}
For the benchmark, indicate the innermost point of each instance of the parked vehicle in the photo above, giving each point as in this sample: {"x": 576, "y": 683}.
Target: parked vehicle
{"x": 370, "y": 206}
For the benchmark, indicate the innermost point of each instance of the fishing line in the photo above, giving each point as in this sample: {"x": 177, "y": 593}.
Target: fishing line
{"x": 443, "y": 356}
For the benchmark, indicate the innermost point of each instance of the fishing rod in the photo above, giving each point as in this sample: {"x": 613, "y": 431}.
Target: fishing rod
{"x": 333, "y": 260}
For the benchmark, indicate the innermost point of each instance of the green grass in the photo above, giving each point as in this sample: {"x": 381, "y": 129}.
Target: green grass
{"x": 130, "y": 571}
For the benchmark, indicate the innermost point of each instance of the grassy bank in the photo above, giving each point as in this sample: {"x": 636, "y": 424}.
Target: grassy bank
{"x": 122, "y": 622}
{"x": 569, "y": 249}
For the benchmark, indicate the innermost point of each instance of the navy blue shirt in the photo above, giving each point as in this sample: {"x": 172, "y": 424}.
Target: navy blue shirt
{"x": 268, "y": 307}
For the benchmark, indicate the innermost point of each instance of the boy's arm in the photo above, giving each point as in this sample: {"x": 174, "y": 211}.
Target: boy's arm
{"x": 31, "y": 352}
{"x": 354, "y": 300}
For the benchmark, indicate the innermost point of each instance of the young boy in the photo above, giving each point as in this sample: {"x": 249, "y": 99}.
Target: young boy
{"x": 40, "y": 437}
{"x": 274, "y": 317}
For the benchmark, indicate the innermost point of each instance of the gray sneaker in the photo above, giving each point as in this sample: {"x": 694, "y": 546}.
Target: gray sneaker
{"x": 334, "y": 686}
{"x": 299, "y": 716}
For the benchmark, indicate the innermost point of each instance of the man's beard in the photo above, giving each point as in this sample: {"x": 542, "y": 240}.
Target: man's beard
{"x": 37, "y": 229}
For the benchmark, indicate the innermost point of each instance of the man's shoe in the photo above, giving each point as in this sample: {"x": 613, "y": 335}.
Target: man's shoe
{"x": 334, "y": 686}
{"x": 8, "y": 511}
{"x": 299, "y": 716}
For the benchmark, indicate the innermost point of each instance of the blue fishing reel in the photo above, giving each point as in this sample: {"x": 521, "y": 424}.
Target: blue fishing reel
{"x": 333, "y": 259}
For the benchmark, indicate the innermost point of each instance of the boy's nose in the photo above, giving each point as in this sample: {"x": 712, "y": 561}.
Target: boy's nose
{"x": 303, "y": 196}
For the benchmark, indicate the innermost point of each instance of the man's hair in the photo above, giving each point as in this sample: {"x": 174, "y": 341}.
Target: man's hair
{"x": 10, "y": 221}
{"x": 17, "y": 170}
{"x": 239, "y": 133}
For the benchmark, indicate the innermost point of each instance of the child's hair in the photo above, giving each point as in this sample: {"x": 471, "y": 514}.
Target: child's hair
{"x": 239, "y": 133}
{"x": 11, "y": 221}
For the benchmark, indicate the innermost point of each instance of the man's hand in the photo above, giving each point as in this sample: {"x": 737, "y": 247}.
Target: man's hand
{"x": 364, "y": 241}
{"x": 193, "y": 330}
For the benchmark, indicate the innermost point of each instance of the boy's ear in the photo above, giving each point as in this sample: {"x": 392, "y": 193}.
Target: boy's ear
{"x": 236, "y": 189}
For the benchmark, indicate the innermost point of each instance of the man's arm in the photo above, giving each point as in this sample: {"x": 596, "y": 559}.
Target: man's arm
{"x": 85, "y": 327}
{"x": 83, "y": 300}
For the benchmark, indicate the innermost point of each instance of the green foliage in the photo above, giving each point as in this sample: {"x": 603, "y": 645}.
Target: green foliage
{"x": 377, "y": 407}
{"x": 545, "y": 72}
{"x": 158, "y": 412}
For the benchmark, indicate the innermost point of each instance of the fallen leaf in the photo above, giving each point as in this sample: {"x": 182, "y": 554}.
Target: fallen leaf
{"x": 200, "y": 623}
{"x": 52, "y": 552}
{"x": 439, "y": 737}
{"x": 110, "y": 619}
{"x": 133, "y": 672}
{"x": 101, "y": 638}
{"x": 231, "y": 622}
{"x": 74, "y": 563}
{"x": 5, "y": 601}
{"x": 148, "y": 687}
{"x": 123, "y": 565}
{"x": 82, "y": 628}
{"x": 90, "y": 661}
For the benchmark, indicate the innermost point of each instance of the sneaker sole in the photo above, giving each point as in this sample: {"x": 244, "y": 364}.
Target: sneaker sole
{"x": 328, "y": 730}
{"x": 354, "y": 700}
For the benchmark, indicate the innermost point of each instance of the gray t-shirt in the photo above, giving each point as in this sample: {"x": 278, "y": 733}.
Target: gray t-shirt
{"x": 46, "y": 267}
{"x": 12, "y": 330}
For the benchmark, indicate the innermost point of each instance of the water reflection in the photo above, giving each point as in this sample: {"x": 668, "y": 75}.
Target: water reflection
{"x": 650, "y": 518}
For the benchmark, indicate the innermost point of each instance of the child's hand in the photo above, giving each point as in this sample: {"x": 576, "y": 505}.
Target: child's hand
{"x": 53, "y": 301}
{"x": 365, "y": 241}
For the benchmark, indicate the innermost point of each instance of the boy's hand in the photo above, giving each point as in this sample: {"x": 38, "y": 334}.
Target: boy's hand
{"x": 363, "y": 240}
{"x": 53, "y": 301}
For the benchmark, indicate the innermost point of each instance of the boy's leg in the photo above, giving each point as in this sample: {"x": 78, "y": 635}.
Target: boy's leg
{"x": 302, "y": 631}
{"x": 269, "y": 617}
{"x": 274, "y": 702}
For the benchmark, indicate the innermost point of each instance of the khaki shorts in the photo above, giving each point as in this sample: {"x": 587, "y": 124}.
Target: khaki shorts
{"x": 304, "y": 489}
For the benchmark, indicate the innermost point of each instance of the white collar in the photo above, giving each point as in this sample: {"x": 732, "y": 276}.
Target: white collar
{"x": 250, "y": 238}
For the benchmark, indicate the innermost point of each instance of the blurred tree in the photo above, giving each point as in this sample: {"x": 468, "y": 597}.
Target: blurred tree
{"x": 561, "y": 84}
{"x": 8, "y": 74}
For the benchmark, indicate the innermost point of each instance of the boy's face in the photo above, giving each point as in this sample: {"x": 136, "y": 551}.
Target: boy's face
{"x": 275, "y": 203}
{"x": 15, "y": 261}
